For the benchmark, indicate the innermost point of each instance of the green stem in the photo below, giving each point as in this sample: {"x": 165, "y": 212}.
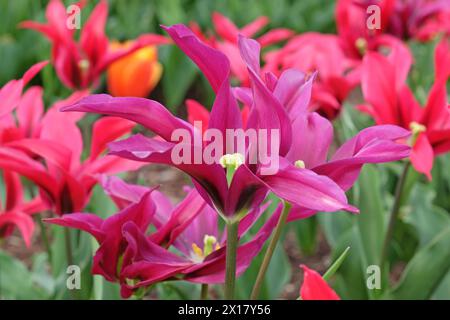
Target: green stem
{"x": 44, "y": 238}
{"x": 394, "y": 214}
{"x": 269, "y": 252}
{"x": 230, "y": 271}
{"x": 96, "y": 279}
{"x": 204, "y": 292}
{"x": 69, "y": 255}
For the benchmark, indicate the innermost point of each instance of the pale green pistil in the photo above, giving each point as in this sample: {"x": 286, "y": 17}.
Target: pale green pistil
{"x": 231, "y": 162}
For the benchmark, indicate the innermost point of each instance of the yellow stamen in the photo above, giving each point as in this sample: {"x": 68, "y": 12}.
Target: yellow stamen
{"x": 197, "y": 250}
{"x": 232, "y": 161}
{"x": 361, "y": 45}
{"x": 417, "y": 128}
{"x": 300, "y": 164}
{"x": 83, "y": 65}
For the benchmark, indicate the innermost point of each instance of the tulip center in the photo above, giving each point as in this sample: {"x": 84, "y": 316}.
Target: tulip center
{"x": 231, "y": 162}
{"x": 83, "y": 64}
{"x": 361, "y": 45}
{"x": 300, "y": 164}
{"x": 210, "y": 245}
{"x": 416, "y": 129}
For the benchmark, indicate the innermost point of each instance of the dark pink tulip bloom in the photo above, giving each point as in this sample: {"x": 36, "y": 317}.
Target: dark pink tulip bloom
{"x": 404, "y": 19}
{"x": 186, "y": 245}
{"x": 16, "y": 212}
{"x": 249, "y": 186}
{"x": 109, "y": 258}
{"x": 372, "y": 145}
{"x": 390, "y": 101}
{"x": 79, "y": 64}
{"x": 314, "y": 287}
{"x": 227, "y": 40}
{"x": 376, "y": 144}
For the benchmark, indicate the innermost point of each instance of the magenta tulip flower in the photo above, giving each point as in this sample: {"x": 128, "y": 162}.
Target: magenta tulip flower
{"x": 186, "y": 245}
{"x": 249, "y": 184}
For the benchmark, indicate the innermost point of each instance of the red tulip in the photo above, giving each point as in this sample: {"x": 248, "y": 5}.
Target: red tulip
{"x": 390, "y": 101}
{"x": 79, "y": 64}
{"x": 314, "y": 287}
{"x": 404, "y": 19}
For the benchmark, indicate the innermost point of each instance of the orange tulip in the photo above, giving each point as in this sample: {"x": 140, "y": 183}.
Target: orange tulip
{"x": 136, "y": 74}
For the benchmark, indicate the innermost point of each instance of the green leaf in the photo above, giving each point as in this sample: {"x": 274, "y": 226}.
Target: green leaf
{"x": 179, "y": 74}
{"x": 426, "y": 270}
{"x": 427, "y": 219}
{"x": 17, "y": 282}
{"x": 306, "y": 232}
{"x": 336, "y": 264}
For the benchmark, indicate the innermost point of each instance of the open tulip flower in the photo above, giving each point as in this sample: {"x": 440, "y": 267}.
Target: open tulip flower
{"x": 404, "y": 19}
{"x": 226, "y": 40}
{"x": 249, "y": 184}
{"x": 136, "y": 74}
{"x": 65, "y": 180}
{"x": 355, "y": 35}
{"x": 291, "y": 93}
{"x": 390, "y": 101}
{"x": 79, "y": 64}
{"x": 314, "y": 287}
{"x": 186, "y": 244}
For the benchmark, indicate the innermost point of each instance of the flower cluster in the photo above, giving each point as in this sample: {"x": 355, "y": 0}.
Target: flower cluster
{"x": 288, "y": 95}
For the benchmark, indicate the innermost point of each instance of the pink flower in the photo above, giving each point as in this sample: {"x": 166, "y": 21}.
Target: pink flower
{"x": 226, "y": 40}
{"x": 66, "y": 181}
{"x": 186, "y": 245}
{"x": 248, "y": 187}
{"x": 16, "y": 212}
{"x": 390, "y": 101}
{"x": 11, "y": 92}
{"x": 356, "y": 38}
{"x": 80, "y": 64}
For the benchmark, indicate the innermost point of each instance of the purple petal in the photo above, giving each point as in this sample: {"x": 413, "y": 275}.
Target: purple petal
{"x": 305, "y": 188}
{"x": 87, "y": 222}
{"x": 148, "y": 113}
{"x": 213, "y": 63}
{"x": 212, "y": 270}
{"x": 314, "y": 142}
{"x": 209, "y": 179}
{"x": 372, "y": 145}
